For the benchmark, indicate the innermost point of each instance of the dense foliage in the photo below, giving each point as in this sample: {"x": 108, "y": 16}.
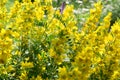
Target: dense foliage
{"x": 40, "y": 42}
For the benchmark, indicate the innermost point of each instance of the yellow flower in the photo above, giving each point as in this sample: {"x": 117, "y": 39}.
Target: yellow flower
{"x": 92, "y": 11}
{"x": 115, "y": 75}
{"x": 95, "y": 13}
{"x": 10, "y": 68}
{"x": 27, "y": 64}
{"x": 3, "y": 70}
{"x": 3, "y": 31}
{"x": 39, "y": 13}
{"x": 63, "y": 73}
{"x": 38, "y": 78}
{"x": 23, "y": 76}
{"x": 39, "y": 57}
{"x": 115, "y": 28}
{"x": 43, "y": 68}
{"x": 57, "y": 12}
{"x": 68, "y": 12}
{"x": 108, "y": 38}
{"x": 107, "y": 20}
{"x": 4, "y": 57}
{"x": 52, "y": 52}
{"x": 76, "y": 73}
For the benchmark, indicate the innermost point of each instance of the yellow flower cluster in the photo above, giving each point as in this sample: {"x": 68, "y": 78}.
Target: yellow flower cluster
{"x": 38, "y": 42}
{"x": 97, "y": 55}
{"x": 5, "y": 46}
{"x": 5, "y": 40}
{"x": 93, "y": 20}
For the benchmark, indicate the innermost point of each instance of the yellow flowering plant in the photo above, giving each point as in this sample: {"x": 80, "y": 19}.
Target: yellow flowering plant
{"x": 38, "y": 42}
